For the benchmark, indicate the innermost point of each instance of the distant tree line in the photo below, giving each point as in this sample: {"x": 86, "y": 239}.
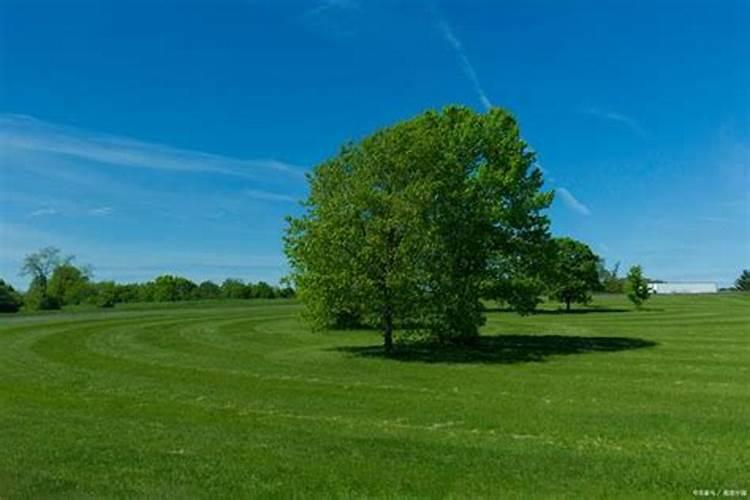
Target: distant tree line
{"x": 56, "y": 282}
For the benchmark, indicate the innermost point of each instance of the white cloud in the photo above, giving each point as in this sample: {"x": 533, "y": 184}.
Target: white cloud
{"x": 43, "y": 211}
{"x": 328, "y": 5}
{"x": 620, "y": 118}
{"x": 332, "y": 18}
{"x": 571, "y": 202}
{"x": 129, "y": 261}
{"x": 268, "y": 196}
{"x": 30, "y": 134}
{"x": 100, "y": 211}
{"x": 466, "y": 65}
{"x": 713, "y": 219}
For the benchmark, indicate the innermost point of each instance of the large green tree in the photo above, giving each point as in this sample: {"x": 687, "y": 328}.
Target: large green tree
{"x": 406, "y": 228}
{"x": 574, "y": 272}
{"x": 743, "y": 282}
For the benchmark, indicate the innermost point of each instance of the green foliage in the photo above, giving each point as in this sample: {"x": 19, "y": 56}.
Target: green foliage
{"x": 106, "y": 294}
{"x": 56, "y": 282}
{"x": 70, "y": 285}
{"x": 610, "y": 282}
{"x": 574, "y": 272}
{"x": 130, "y": 292}
{"x": 168, "y": 288}
{"x": 10, "y": 300}
{"x": 743, "y": 282}
{"x": 637, "y": 286}
{"x": 37, "y": 298}
{"x": 262, "y": 290}
{"x": 41, "y": 264}
{"x": 233, "y": 288}
{"x": 407, "y": 228}
{"x": 208, "y": 290}
{"x": 66, "y": 283}
{"x": 520, "y": 293}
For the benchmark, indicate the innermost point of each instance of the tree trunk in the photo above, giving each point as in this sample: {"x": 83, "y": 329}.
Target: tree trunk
{"x": 388, "y": 331}
{"x": 391, "y": 246}
{"x": 567, "y": 305}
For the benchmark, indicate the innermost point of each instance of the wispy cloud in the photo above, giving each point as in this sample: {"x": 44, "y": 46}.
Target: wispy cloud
{"x": 324, "y": 7}
{"x": 572, "y": 202}
{"x": 468, "y": 69}
{"x": 43, "y": 211}
{"x": 30, "y": 134}
{"x": 100, "y": 211}
{"x": 714, "y": 219}
{"x": 618, "y": 118}
{"x": 268, "y": 196}
{"x": 332, "y": 18}
{"x": 130, "y": 261}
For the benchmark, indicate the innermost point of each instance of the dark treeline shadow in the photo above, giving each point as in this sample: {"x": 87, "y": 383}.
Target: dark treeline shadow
{"x": 541, "y": 312}
{"x": 501, "y": 349}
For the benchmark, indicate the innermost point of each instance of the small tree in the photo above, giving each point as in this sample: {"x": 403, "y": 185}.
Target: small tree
{"x": 743, "y": 282}
{"x": 574, "y": 272}
{"x": 637, "y": 286}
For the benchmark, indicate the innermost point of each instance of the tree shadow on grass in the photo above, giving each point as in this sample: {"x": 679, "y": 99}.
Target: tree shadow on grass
{"x": 541, "y": 312}
{"x": 501, "y": 349}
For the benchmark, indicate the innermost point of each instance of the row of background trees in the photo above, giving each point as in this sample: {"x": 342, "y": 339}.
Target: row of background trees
{"x": 56, "y": 282}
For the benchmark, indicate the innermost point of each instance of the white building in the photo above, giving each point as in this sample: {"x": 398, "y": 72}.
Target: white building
{"x": 684, "y": 287}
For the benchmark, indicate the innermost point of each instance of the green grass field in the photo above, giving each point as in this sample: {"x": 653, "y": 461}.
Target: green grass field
{"x": 224, "y": 400}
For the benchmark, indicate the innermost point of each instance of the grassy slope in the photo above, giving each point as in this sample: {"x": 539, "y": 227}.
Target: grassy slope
{"x": 226, "y": 401}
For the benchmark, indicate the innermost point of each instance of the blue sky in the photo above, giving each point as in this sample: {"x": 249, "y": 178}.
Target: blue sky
{"x": 165, "y": 136}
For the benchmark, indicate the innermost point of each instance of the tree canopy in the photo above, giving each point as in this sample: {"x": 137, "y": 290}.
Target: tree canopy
{"x": 41, "y": 264}
{"x": 69, "y": 284}
{"x": 406, "y": 228}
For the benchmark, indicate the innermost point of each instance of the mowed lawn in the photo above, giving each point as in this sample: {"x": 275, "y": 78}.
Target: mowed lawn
{"x": 223, "y": 400}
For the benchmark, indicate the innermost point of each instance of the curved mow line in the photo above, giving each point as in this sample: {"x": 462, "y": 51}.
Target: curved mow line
{"x": 77, "y": 358}
{"x": 190, "y": 342}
